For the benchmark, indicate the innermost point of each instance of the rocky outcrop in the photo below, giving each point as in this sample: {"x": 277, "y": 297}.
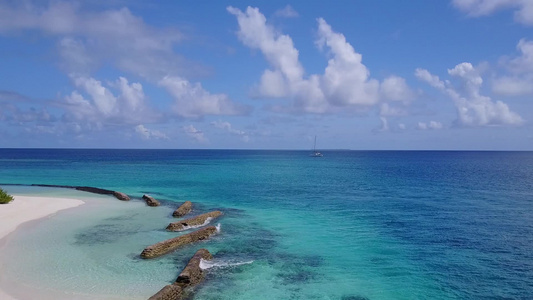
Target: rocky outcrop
{"x": 193, "y": 274}
{"x": 190, "y": 276}
{"x": 197, "y": 221}
{"x": 169, "y": 292}
{"x": 184, "y": 209}
{"x": 90, "y": 189}
{"x": 150, "y": 201}
{"x": 121, "y": 196}
{"x": 169, "y": 245}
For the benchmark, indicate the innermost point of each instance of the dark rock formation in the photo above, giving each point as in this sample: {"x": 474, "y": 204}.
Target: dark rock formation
{"x": 121, "y": 196}
{"x": 195, "y": 221}
{"x": 150, "y": 201}
{"x": 184, "y": 209}
{"x": 169, "y": 292}
{"x": 193, "y": 274}
{"x": 164, "y": 247}
{"x": 90, "y": 189}
{"x": 190, "y": 276}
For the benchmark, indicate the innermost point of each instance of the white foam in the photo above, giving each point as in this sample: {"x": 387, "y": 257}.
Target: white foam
{"x": 197, "y": 226}
{"x": 208, "y": 264}
{"x": 218, "y": 227}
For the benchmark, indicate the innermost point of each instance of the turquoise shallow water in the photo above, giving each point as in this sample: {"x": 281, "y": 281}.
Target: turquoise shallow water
{"x": 349, "y": 225}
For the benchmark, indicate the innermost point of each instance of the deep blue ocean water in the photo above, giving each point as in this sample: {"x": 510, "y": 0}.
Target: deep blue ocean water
{"x": 349, "y": 225}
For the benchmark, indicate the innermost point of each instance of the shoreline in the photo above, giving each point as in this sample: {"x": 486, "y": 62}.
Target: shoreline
{"x": 29, "y": 208}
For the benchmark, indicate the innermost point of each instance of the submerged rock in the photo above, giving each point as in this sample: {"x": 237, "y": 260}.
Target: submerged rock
{"x": 169, "y": 245}
{"x": 90, "y": 189}
{"x": 184, "y": 209}
{"x": 197, "y": 221}
{"x": 121, "y": 196}
{"x": 169, "y": 292}
{"x": 150, "y": 201}
{"x": 193, "y": 274}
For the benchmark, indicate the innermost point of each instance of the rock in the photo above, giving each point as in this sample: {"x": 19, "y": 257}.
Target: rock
{"x": 184, "y": 209}
{"x": 121, "y": 196}
{"x": 193, "y": 274}
{"x": 197, "y": 221}
{"x": 150, "y": 201}
{"x": 169, "y": 292}
{"x": 94, "y": 190}
{"x": 164, "y": 247}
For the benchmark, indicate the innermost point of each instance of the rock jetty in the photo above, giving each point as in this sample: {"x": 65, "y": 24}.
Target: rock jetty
{"x": 191, "y": 275}
{"x": 184, "y": 209}
{"x": 150, "y": 201}
{"x": 200, "y": 220}
{"x": 90, "y": 189}
{"x": 169, "y": 292}
{"x": 169, "y": 245}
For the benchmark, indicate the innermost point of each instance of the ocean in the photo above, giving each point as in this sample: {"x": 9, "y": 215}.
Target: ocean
{"x": 351, "y": 225}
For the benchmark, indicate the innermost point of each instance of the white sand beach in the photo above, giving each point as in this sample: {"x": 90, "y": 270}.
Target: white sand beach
{"x": 24, "y": 209}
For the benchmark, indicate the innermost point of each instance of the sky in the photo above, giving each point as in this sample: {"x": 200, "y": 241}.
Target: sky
{"x": 361, "y": 74}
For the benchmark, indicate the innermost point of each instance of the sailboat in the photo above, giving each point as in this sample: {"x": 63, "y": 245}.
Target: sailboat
{"x": 315, "y": 153}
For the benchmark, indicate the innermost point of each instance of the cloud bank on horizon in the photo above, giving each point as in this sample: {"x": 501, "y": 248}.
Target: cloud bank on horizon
{"x": 94, "y": 75}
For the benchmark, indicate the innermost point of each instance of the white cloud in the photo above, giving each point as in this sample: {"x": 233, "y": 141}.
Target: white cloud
{"x": 387, "y": 110}
{"x": 87, "y": 38}
{"x": 394, "y": 88}
{"x": 384, "y": 124}
{"x": 520, "y": 80}
{"x": 346, "y": 81}
{"x": 194, "y": 133}
{"x": 432, "y": 125}
{"x": 193, "y": 101}
{"x": 226, "y": 126}
{"x": 473, "y": 109}
{"x": 104, "y": 107}
{"x": 148, "y": 134}
{"x": 432, "y": 80}
{"x": 475, "y": 8}
{"x": 286, "y": 12}
{"x": 513, "y": 85}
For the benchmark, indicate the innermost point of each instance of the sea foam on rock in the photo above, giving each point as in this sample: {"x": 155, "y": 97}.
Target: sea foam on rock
{"x": 194, "y": 222}
{"x": 150, "y": 201}
{"x": 184, "y": 209}
{"x": 191, "y": 275}
{"x": 169, "y": 245}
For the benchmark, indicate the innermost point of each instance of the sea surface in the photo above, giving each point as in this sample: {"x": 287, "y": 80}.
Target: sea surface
{"x": 351, "y": 225}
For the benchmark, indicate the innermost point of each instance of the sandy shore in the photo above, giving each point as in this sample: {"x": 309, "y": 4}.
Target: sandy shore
{"x": 24, "y": 209}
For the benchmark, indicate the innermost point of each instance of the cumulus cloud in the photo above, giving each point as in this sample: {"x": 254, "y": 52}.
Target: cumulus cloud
{"x": 473, "y": 109}
{"x": 286, "y": 12}
{"x": 519, "y": 80}
{"x": 95, "y": 103}
{"x": 226, "y": 126}
{"x": 395, "y": 88}
{"x": 195, "y": 134}
{"x": 346, "y": 81}
{"x": 148, "y": 134}
{"x": 193, "y": 101}
{"x": 87, "y": 38}
{"x": 476, "y": 8}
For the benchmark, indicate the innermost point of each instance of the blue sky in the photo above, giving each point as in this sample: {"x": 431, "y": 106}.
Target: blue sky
{"x": 359, "y": 75}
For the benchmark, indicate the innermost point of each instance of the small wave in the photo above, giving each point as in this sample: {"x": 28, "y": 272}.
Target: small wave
{"x": 197, "y": 226}
{"x": 218, "y": 227}
{"x": 208, "y": 264}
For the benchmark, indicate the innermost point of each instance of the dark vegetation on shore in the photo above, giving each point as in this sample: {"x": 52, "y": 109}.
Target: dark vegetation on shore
{"x": 5, "y": 197}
